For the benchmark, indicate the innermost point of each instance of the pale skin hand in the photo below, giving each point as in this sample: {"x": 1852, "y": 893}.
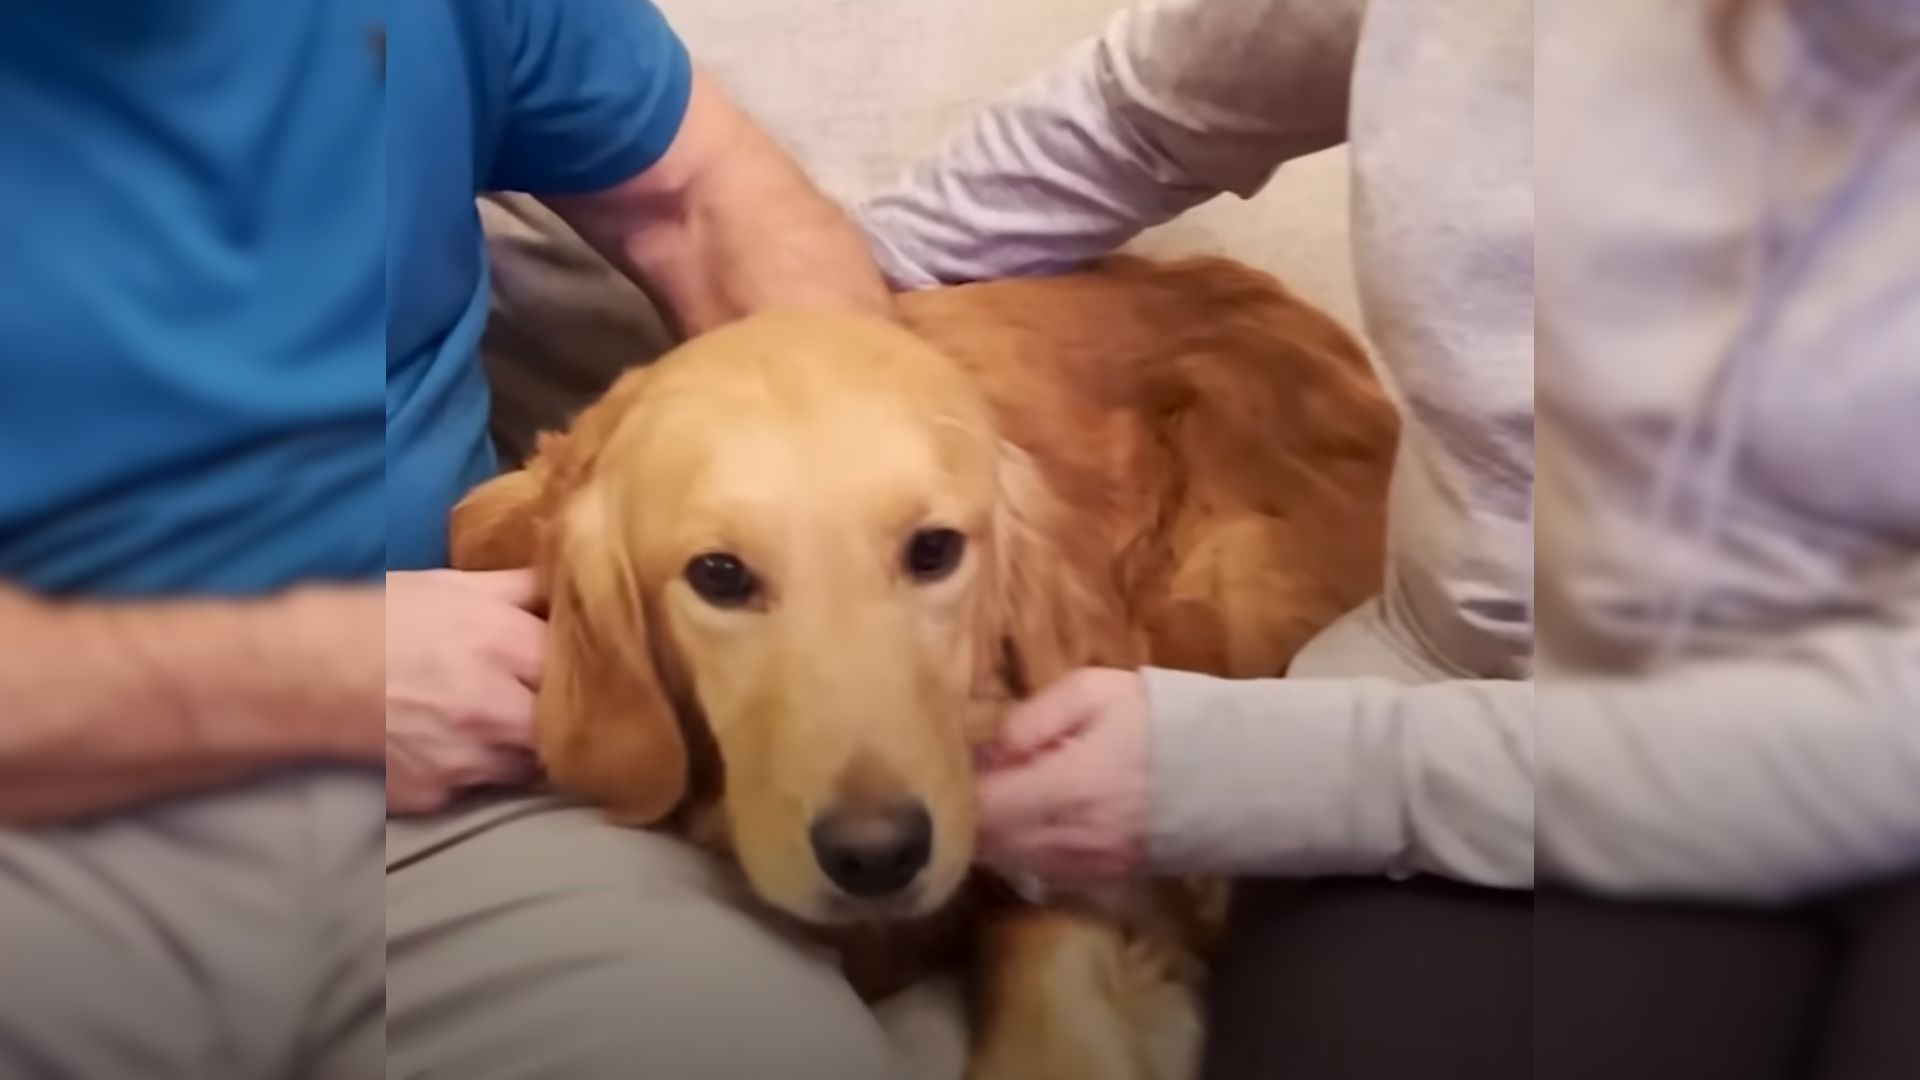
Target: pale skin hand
{"x": 1064, "y": 792}
{"x": 108, "y": 705}
{"x": 464, "y": 652}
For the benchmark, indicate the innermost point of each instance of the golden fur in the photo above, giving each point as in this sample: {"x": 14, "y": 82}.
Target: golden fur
{"x": 1172, "y": 464}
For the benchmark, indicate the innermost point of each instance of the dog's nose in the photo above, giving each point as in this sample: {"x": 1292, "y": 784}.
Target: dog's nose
{"x": 871, "y": 853}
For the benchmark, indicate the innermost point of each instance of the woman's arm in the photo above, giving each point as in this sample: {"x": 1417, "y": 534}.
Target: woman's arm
{"x": 1176, "y": 102}
{"x": 106, "y": 705}
{"x": 1765, "y": 779}
{"x": 1309, "y": 777}
{"x": 1751, "y": 780}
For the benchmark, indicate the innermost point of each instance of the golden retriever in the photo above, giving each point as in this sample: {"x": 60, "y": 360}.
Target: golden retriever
{"x": 798, "y": 568}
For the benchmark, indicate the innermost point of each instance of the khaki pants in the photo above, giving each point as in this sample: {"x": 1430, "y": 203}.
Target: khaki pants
{"x": 230, "y": 935}
{"x": 528, "y": 938}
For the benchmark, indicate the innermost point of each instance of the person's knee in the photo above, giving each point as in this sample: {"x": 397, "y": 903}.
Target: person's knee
{"x": 735, "y": 1001}
{"x": 667, "y": 1016}
{"x": 603, "y": 980}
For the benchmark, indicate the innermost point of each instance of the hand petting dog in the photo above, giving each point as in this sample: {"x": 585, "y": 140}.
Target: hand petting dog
{"x": 464, "y": 653}
{"x": 1064, "y": 792}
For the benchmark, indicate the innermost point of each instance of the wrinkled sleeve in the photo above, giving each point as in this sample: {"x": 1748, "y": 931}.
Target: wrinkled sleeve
{"x": 1306, "y": 777}
{"x": 1759, "y": 780}
{"x": 1767, "y": 779}
{"x": 1174, "y": 103}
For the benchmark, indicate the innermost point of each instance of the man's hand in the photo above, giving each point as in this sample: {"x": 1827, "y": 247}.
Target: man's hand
{"x": 464, "y": 654}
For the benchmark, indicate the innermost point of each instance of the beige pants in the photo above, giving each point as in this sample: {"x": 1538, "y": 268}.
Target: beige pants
{"x": 527, "y": 938}
{"x": 231, "y": 935}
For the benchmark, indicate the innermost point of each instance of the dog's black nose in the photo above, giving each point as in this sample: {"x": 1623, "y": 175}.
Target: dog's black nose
{"x": 873, "y": 853}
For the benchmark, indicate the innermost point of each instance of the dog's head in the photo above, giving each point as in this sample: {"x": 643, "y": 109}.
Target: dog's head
{"x": 792, "y": 572}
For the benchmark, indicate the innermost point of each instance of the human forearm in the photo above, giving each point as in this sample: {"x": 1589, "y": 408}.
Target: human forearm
{"x": 111, "y": 704}
{"x": 1307, "y": 777}
{"x": 1045, "y": 180}
{"x": 1174, "y": 103}
{"x": 1767, "y": 779}
{"x": 726, "y": 224}
{"x": 1731, "y": 780}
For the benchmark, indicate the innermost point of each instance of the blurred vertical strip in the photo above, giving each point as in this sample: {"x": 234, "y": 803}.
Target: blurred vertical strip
{"x": 1728, "y": 539}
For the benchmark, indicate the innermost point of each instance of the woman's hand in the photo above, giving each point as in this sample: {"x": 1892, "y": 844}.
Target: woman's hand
{"x": 1064, "y": 792}
{"x": 464, "y": 654}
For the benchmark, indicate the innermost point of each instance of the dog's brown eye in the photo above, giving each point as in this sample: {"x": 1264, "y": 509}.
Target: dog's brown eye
{"x": 933, "y": 553}
{"x": 722, "y": 580}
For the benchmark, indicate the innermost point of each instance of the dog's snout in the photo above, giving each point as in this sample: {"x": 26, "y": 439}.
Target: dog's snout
{"x": 873, "y": 853}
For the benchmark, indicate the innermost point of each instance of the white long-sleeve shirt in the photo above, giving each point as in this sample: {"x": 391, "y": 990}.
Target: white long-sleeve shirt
{"x": 1760, "y": 757}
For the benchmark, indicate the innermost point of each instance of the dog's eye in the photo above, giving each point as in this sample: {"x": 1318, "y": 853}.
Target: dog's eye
{"x": 933, "y": 553}
{"x": 722, "y": 580}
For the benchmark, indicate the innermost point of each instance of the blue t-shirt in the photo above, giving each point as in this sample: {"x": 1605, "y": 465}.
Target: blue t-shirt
{"x": 541, "y": 96}
{"x": 191, "y": 210}
{"x": 193, "y": 196}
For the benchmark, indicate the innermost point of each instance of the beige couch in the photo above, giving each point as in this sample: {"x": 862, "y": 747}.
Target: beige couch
{"x": 855, "y": 89}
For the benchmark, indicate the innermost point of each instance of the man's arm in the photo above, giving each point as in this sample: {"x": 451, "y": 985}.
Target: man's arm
{"x": 107, "y": 705}
{"x": 725, "y": 224}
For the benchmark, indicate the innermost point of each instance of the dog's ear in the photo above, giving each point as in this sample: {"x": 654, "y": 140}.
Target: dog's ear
{"x": 497, "y": 526}
{"x": 607, "y": 730}
{"x": 507, "y": 522}
{"x": 1051, "y": 609}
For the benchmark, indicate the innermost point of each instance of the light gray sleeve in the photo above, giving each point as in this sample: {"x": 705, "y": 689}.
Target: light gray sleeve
{"x": 1174, "y": 103}
{"x": 1309, "y": 777}
{"x": 1757, "y": 780}
{"x": 1767, "y": 779}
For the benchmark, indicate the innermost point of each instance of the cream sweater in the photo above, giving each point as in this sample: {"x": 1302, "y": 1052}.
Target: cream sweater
{"x": 1757, "y": 736}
